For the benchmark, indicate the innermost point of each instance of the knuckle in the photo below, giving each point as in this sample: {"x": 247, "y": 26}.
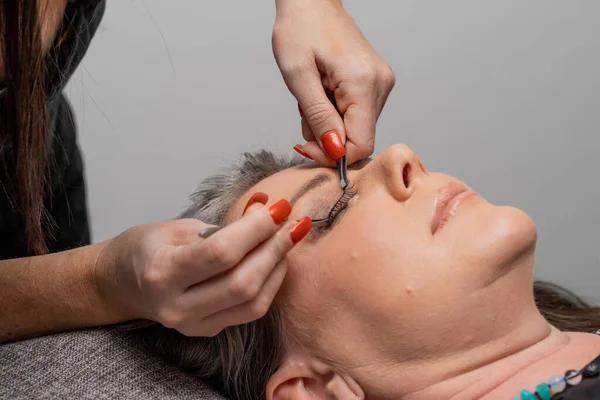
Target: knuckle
{"x": 281, "y": 247}
{"x": 217, "y": 252}
{"x": 366, "y": 73}
{"x": 202, "y": 331}
{"x": 368, "y": 148}
{"x": 387, "y": 77}
{"x": 259, "y": 308}
{"x": 364, "y": 152}
{"x": 244, "y": 287}
{"x": 292, "y": 69}
{"x": 185, "y": 331}
{"x": 170, "y": 318}
{"x": 212, "y": 331}
{"x": 364, "y": 148}
{"x": 319, "y": 115}
{"x": 155, "y": 278}
{"x": 278, "y": 35}
{"x": 185, "y": 231}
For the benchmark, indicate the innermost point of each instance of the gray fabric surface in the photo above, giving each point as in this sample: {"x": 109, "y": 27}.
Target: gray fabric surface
{"x": 92, "y": 364}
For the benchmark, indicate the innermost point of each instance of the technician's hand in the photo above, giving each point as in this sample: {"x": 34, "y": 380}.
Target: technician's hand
{"x": 166, "y": 273}
{"x": 320, "y": 51}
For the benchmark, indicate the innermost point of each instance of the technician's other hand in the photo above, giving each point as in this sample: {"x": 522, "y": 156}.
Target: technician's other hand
{"x": 166, "y": 273}
{"x": 321, "y": 52}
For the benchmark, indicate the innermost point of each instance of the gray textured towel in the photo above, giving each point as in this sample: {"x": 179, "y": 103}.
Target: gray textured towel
{"x": 92, "y": 364}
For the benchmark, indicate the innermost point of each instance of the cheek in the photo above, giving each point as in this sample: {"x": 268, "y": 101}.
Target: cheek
{"x": 367, "y": 269}
{"x": 488, "y": 242}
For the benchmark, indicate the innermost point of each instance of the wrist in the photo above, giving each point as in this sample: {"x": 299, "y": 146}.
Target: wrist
{"x": 108, "y": 283}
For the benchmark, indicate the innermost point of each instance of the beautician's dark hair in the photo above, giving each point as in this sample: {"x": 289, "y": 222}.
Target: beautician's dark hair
{"x": 240, "y": 360}
{"x": 24, "y": 133}
{"x": 24, "y": 123}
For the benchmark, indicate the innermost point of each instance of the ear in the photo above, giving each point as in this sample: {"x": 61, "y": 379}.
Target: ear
{"x": 303, "y": 377}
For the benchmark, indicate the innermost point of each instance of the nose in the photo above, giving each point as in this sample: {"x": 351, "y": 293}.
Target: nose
{"x": 399, "y": 169}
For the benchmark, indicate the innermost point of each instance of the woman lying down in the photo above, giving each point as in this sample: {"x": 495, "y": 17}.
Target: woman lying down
{"x": 417, "y": 288}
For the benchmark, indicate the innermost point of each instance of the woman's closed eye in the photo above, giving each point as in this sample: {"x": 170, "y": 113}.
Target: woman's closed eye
{"x": 340, "y": 205}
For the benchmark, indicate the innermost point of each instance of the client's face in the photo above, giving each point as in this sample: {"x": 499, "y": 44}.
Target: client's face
{"x": 410, "y": 257}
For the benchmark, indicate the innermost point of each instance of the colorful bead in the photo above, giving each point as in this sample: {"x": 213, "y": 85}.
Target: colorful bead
{"x": 557, "y": 384}
{"x": 527, "y": 395}
{"x": 572, "y": 377}
{"x": 543, "y": 391}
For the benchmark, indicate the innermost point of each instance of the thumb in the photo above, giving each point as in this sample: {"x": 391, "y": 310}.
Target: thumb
{"x": 322, "y": 117}
{"x": 360, "y": 130}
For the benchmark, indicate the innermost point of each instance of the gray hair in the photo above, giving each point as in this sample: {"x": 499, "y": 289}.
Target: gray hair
{"x": 239, "y": 360}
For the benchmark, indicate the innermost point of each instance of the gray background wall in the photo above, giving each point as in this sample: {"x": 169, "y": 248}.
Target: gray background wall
{"x": 502, "y": 94}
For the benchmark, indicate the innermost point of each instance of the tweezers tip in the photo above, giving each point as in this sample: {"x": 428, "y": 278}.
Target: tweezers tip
{"x": 342, "y": 168}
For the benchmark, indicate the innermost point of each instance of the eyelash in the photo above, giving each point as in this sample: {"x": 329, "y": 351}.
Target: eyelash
{"x": 339, "y": 206}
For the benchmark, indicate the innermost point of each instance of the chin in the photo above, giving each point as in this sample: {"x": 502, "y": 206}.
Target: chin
{"x": 504, "y": 237}
{"x": 515, "y": 235}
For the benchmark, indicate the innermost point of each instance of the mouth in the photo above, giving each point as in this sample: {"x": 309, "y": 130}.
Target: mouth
{"x": 447, "y": 201}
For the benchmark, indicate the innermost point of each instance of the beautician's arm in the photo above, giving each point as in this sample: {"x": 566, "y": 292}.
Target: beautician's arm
{"x": 52, "y": 293}
{"x": 319, "y": 49}
{"x": 163, "y": 272}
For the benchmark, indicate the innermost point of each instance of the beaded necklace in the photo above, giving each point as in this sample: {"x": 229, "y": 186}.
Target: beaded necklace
{"x": 557, "y": 384}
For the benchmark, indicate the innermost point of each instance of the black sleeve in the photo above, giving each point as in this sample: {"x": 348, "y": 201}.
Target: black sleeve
{"x": 81, "y": 21}
{"x": 67, "y": 204}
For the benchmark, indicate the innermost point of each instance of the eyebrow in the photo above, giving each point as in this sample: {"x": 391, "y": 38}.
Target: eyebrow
{"x": 323, "y": 177}
{"x": 310, "y": 185}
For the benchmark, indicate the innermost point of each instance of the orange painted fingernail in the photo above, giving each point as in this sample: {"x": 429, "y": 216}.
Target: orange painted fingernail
{"x": 300, "y": 229}
{"x": 299, "y": 150}
{"x": 258, "y": 197}
{"x": 280, "y": 211}
{"x": 332, "y": 143}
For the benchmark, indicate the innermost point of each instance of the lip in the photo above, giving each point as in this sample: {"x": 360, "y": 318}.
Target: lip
{"x": 447, "y": 201}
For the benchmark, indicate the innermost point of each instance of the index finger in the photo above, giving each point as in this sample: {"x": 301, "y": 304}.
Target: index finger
{"x": 202, "y": 260}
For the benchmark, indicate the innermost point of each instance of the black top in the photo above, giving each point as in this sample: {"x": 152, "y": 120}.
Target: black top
{"x": 66, "y": 203}
{"x": 588, "y": 388}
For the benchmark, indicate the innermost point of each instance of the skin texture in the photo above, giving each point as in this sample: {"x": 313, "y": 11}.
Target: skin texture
{"x": 452, "y": 313}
